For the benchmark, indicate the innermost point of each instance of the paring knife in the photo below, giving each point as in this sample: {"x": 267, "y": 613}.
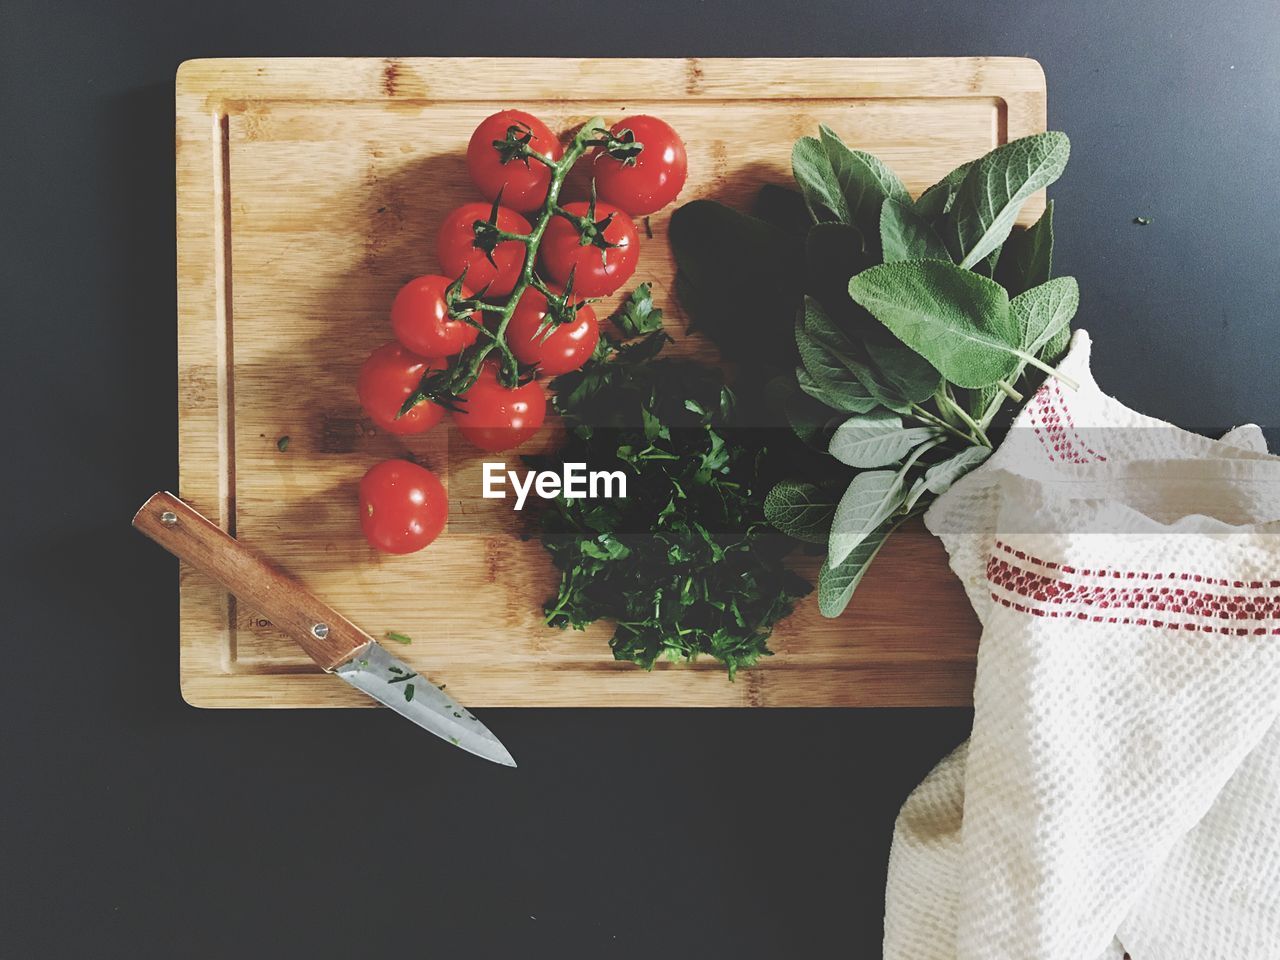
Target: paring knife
{"x": 330, "y": 639}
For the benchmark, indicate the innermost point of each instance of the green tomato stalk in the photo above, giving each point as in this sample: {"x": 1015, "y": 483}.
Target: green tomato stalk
{"x": 446, "y": 386}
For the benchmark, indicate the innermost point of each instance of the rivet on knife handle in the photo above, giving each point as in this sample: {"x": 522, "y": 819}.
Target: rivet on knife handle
{"x": 327, "y": 637}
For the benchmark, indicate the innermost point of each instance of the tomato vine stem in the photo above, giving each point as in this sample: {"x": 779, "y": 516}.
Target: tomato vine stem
{"x": 464, "y": 374}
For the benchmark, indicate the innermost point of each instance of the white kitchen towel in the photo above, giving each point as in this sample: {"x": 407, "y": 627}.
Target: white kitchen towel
{"x": 1121, "y": 790}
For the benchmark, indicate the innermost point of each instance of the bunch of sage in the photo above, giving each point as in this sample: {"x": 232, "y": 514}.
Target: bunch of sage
{"x": 910, "y": 323}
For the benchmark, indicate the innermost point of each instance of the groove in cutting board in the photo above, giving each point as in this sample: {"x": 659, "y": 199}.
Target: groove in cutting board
{"x": 309, "y": 190}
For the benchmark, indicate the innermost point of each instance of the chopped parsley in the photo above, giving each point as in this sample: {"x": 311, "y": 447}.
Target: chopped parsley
{"x": 685, "y": 565}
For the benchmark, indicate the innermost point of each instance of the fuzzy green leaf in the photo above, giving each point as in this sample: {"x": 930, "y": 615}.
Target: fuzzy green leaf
{"x": 938, "y": 199}
{"x": 865, "y": 182}
{"x": 870, "y": 499}
{"x": 822, "y": 194}
{"x": 1056, "y": 348}
{"x": 819, "y": 338}
{"x": 939, "y": 477}
{"x": 837, "y": 583}
{"x": 907, "y": 374}
{"x": 906, "y": 235}
{"x": 958, "y": 321}
{"x": 850, "y": 396}
{"x": 1027, "y": 258}
{"x": 825, "y": 352}
{"x": 875, "y": 440}
{"x": 995, "y": 188}
{"x": 1044, "y": 311}
{"x": 800, "y": 510}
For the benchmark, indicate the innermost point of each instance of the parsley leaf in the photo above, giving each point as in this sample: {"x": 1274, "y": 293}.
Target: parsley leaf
{"x": 638, "y": 315}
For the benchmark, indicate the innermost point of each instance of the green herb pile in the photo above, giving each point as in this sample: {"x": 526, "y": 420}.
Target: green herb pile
{"x": 892, "y": 331}
{"x": 686, "y": 564}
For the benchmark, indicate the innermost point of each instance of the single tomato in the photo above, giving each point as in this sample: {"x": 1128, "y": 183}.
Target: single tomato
{"x": 522, "y": 182}
{"x": 494, "y": 417}
{"x": 421, "y": 321}
{"x": 597, "y": 271}
{"x": 387, "y": 379}
{"x": 653, "y": 178}
{"x": 455, "y": 246}
{"x": 403, "y": 506}
{"x": 555, "y": 349}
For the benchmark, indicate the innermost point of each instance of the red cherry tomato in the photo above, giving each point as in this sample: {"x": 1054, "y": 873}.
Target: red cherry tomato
{"x": 657, "y": 174}
{"x": 387, "y": 379}
{"x": 403, "y": 506}
{"x": 593, "y": 275}
{"x": 494, "y": 417}
{"x": 454, "y": 245}
{"x": 523, "y": 182}
{"x": 421, "y": 321}
{"x": 557, "y": 349}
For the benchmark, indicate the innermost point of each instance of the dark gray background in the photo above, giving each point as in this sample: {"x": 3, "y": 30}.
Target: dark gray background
{"x": 135, "y": 826}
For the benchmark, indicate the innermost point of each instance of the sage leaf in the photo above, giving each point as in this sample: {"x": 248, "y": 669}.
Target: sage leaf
{"x": 1027, "y": 259}
{"x": 870, "y": 499}
{"x": 851, "y": 396}
{"x": 884, "y": 394}
{"x": 940, "y": 197}
{"x": 906, "y": 235}
{"x": 995, "y": 188}
{"x": 875, "y": 440}
{"x": 958, "y": 321}
{"x": 800, "y": 510}
{"x": 987, "y": 265}
{"x": 836, "y": 583}
{"x": 909, "y": 375}
{"x": 939, "y": 477}
{"x": 822, "y": 193}
{"x": 824, "y": 351}
{"x": 838, "y": 358}
{"x": 832, "y": 357}
{"x": 1056, "y": 348}
{"x": 918, "y": 490}
{"x": 865, "y": 181}
{"x": 1044, "y": 311}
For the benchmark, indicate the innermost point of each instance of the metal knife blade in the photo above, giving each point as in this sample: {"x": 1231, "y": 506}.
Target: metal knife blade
{"x": 416, "y": 698}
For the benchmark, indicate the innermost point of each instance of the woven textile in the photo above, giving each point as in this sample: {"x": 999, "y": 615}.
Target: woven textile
{"x": 1121, "y": 788}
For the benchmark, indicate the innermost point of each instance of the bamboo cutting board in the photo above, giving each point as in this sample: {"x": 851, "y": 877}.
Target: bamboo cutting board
{"x": 310, "y": 190}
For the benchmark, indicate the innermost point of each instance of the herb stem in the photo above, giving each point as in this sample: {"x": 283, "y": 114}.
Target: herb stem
{"x": 960, "y": 412}
{"x": 1007, "y": 389}
{"x": 1045, "y": 368}
{"x": 924, "y": 416}
{"x": 916, "y": 454}
{"x": 566, "y": 585}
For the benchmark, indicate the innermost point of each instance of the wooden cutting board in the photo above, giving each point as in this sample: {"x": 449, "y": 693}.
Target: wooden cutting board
{"x": 310, "y": 190}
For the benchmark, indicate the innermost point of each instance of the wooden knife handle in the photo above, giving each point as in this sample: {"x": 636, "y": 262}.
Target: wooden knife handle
{"x": 328, "y": 637}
